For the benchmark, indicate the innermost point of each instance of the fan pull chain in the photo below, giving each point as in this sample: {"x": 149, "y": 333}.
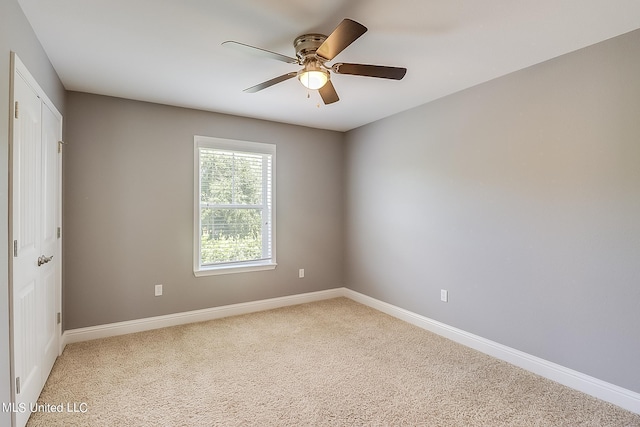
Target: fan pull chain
{"x": 309, "y": 96}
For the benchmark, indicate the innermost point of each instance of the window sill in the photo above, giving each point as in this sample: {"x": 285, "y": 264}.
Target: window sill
{"x": 230, "y": 269}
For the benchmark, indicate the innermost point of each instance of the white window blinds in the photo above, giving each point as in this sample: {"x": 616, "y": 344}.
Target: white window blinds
{"x": 235, "y": 203}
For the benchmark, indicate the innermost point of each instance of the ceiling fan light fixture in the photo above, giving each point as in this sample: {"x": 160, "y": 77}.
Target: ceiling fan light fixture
{"x": 313, "y": 51}
{"x": 313, "y": 76}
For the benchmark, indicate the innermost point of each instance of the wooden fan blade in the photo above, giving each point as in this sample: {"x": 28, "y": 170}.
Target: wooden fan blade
{"x": 256, "y": 51}
{"x": 346, "y": 33}
{"x": 271, "y": 82}
{"x": 328, "y": 93}
{"x": 380, "y": 71}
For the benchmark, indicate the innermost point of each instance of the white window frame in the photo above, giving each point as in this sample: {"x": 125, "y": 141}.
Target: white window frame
{"x": 236, "y": 146}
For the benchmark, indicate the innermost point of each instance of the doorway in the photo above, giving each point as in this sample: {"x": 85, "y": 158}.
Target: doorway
{"x": 35, "y": 268}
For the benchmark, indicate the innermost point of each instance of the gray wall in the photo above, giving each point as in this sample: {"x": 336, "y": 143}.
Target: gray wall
{"x": 520, "y": 196}
{"x": 128, "y": 211}
{"x": 15, "y": 35}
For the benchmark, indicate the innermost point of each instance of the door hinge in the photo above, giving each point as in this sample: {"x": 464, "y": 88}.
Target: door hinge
{"x": 16, "y": 110}
{"x": 59, "y": 318}
{"x": 15, "y": 248}
{"x": 18, "y": 385}
{"x": 59, "y": 232}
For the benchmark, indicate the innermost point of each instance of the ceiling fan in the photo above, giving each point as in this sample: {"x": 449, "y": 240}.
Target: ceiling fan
{"x": 312, "y": 53}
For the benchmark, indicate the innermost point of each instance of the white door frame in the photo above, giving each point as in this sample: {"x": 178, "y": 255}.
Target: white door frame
{"x": 17, "y": 67}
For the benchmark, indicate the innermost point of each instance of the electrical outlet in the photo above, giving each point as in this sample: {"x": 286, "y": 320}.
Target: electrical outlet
{"x": 301, "y": 273}
{"x": 444, "y": 295}
{"x": 158, "y": 290}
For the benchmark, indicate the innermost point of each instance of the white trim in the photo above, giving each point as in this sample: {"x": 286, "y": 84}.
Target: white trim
{"x": 611, "y": 393}
{"x": 149, "y": 323}
{"x": 603, "y": 390}
{"x": 21, "y": 69}
{"x": 268, "y": 152}
{"x": 230, "y": 269}
{"x": 234, "y": 145}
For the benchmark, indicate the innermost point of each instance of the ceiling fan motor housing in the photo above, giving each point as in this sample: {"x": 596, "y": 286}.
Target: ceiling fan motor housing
{"x": 306, "y": 46}
{"x": 313, "y": 50}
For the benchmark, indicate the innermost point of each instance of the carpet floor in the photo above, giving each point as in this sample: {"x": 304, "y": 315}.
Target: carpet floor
{"x": 333, "y": 362}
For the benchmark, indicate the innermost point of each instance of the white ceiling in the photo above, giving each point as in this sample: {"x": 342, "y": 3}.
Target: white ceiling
{"x": 169, "y": 51}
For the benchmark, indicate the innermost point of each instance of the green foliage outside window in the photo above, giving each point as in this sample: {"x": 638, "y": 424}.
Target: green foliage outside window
{"x": 231, "y": 203}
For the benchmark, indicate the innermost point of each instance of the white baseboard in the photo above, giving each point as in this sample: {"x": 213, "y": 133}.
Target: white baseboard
{"x": 608, "y": 392}
{"x": 149, "y": 323}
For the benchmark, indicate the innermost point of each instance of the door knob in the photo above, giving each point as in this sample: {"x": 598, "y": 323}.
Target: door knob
{"x": 44, "y": 259}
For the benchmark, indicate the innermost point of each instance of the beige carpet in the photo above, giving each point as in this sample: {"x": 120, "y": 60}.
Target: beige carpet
{"x": 333, "y": 362}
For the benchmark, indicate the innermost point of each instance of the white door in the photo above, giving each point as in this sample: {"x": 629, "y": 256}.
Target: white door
{"x": 27, "y": 280}
{"x": 51, "y": 128}
{"x": 35, "y": 202}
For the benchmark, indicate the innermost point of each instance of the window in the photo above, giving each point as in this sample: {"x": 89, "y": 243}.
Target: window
{"x": 234, "y": 224}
